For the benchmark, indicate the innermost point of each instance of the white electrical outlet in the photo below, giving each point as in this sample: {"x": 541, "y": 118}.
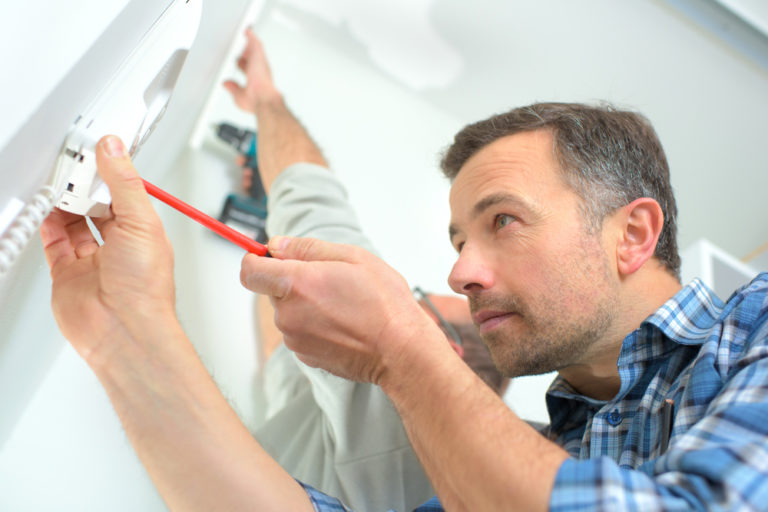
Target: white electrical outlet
{"x": 130, "y": 107}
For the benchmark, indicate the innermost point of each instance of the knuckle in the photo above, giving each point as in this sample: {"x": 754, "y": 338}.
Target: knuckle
{"x": 302, "y": 248}
{"x": 356, "y": 253}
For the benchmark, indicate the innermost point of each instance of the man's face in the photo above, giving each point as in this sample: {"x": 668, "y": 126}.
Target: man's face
{"x": 541, "y": 290}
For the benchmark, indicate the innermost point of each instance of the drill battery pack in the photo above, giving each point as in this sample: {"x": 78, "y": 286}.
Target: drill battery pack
{"x": 247, "y": 214}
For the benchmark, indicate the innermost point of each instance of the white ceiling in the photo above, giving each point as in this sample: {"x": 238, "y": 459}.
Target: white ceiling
{"x": 708, "y": 102}
{"x": 754, "y": 12}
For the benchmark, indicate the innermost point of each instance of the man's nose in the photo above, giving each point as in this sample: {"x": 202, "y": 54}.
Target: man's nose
{"x": 470, "y": 274}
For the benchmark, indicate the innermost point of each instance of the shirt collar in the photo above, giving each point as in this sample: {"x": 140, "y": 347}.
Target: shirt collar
{"x": 689, "y": 315}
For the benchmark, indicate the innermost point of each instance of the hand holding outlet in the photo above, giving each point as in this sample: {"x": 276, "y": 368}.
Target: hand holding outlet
{"x": 99, "y": 291}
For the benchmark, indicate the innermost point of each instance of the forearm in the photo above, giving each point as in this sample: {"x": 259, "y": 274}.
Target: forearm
{"x": 194, "y": 447}
{"x": 282, "y": 140}
{"x": 478, "y": 454}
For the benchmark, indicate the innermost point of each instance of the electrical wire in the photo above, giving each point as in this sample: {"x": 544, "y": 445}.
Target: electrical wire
{"x": 24, "y": 226}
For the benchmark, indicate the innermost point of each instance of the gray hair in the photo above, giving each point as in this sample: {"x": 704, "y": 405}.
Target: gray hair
{"x": 609, "y": 157}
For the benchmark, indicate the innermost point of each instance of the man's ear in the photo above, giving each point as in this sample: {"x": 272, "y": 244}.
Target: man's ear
{"x": 642, "y": 223}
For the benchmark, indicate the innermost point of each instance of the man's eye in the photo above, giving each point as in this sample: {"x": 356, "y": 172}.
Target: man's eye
{"x": 502, "y": 220}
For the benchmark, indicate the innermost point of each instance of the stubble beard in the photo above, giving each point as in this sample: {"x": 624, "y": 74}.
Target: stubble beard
{"x": 544, "y": 342}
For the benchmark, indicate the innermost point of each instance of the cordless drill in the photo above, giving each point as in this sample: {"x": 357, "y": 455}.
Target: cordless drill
{"x": 247, "y": 213}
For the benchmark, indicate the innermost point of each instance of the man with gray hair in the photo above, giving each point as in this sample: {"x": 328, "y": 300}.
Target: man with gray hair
{"x": 563, "y": 223}
{"x": 563, "y": 219}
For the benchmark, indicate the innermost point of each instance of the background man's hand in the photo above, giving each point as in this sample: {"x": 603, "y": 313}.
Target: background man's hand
{"x": 341, "y": 308}
{"x": 258, "y": 77}
{"x": 99, "y": 292}
{"x": 282, "y": 140}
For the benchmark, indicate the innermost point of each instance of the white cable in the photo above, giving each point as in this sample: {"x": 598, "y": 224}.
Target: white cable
{"x": 25, "y": 226}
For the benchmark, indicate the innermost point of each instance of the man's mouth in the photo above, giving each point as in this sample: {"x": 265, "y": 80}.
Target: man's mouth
{"x": 487, "y": 320}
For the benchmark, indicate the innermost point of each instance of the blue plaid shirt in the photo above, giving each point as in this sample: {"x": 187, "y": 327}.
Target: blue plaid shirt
{"x": 711, "y": 359}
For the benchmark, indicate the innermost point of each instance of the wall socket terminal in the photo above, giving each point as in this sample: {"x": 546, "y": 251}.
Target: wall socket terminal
{"x": 83, "y": 192}
{"x": 130, "y": 106}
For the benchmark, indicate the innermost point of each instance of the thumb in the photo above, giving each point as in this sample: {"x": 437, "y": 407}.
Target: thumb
{"x": 239, "y": 95}
{"x": 125, "y": 186}
{"x": 312, "y": 249}
{"x": 233, "y": 87}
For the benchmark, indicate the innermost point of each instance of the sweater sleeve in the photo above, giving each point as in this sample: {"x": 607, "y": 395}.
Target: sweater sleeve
{"x": 336, "y": 435}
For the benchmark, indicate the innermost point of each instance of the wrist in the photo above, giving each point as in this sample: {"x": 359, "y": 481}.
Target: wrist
{"x": 426, "y": 358}
{"x": 133, "y": 341}
{"x": 151, "y": 375}
{"x": 268, "y": 100}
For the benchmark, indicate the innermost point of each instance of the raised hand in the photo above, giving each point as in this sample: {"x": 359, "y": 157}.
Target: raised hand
{"x": 258, "y": 77}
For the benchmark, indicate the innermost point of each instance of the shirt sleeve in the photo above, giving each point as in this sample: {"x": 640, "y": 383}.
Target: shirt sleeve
{"x": 321, "y": 502}
{"x": 324, "y": 503}
{"x": 360, "y": 450}
{"x": 719, "y": 463}
{"x": 306, "y": 200}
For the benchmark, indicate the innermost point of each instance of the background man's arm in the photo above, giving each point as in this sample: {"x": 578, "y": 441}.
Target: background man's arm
{"x": 356, "y": 446}
{"x": 282, "y": 140}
